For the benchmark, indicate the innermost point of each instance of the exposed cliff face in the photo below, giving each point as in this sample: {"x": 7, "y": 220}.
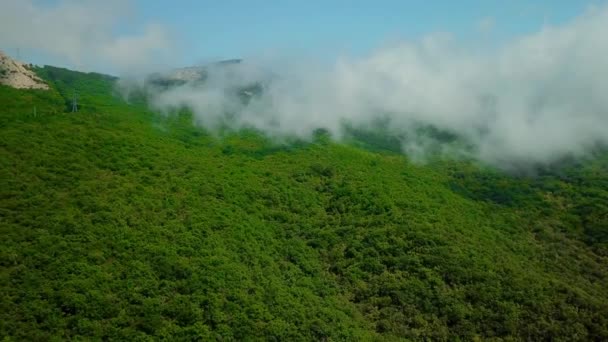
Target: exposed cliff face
{"x": 16, "y": 74}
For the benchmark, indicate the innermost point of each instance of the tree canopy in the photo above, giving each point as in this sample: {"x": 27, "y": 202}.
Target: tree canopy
{"x": 121, "y": 223}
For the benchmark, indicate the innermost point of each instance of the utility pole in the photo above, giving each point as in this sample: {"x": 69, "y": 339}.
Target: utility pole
{"x": 74, "y": 103}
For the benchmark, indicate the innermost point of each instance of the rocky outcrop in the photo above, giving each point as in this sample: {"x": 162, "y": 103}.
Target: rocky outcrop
{"x": 18, "y": 75}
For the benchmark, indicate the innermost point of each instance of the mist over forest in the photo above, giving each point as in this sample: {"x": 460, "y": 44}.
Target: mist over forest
{"x": 535, "y": 100}
{"x": 437, "y": 187}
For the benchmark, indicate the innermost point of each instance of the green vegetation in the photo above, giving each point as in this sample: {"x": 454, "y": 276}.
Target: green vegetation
{"x": 118, "y": 223}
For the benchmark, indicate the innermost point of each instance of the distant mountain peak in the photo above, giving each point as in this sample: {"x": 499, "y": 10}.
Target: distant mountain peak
{"x": 231, "y": 71}
{"x": 230, "y": 61}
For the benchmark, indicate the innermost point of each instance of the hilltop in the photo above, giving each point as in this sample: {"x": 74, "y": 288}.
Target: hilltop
{"x": 19, "y": 75}
{"x": 122, "y": 223}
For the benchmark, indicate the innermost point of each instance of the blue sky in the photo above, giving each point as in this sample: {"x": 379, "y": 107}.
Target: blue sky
{"x": 202, "y": 31}
{"x": 226, "y": 29}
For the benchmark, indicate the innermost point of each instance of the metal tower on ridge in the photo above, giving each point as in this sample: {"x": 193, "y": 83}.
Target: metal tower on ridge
{"x": 75, "y": 103}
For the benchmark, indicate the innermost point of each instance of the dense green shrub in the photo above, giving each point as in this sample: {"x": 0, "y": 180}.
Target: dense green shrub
{"x": 121, "y": 224}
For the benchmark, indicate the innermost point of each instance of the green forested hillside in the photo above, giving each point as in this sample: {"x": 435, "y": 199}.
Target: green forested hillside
{"x": 118, "y": 223}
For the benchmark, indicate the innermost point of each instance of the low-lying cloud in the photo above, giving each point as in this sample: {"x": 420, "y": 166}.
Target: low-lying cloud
{"x": 535, "y": 99}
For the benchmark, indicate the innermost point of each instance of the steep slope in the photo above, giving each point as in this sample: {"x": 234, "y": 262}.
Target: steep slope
{"x": 118, "y": 223}
{"x": 18, "y": 75}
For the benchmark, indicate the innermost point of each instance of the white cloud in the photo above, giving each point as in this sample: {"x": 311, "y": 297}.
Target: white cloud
{"x": 536, "y": 99}
{"x": 82, "y": 32}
